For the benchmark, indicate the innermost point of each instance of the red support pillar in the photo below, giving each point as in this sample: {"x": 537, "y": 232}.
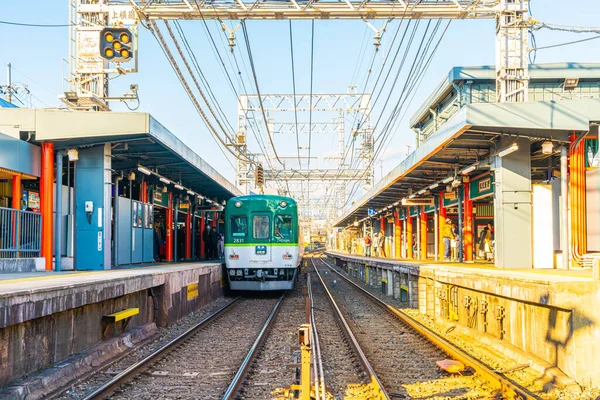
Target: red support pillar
{"x": 409, "y": 235}
{"x": 169, "y": 229}
{"x": 397, "y": 235}
{"x": 16, "y": 192}
{"x": 468, "y": 223}
{"x": 423, "y": 232}
{"x": 46, "y": 201}
{"x": 202, "y": 227}
{"x": 188, "y": 234}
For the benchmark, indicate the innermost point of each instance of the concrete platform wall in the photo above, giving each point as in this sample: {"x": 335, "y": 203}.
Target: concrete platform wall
{"x": 555, "y": 321}
{"x": 38, "y": 330}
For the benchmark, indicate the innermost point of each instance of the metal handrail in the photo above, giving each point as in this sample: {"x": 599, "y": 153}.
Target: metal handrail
{"x": 20, "y": 233}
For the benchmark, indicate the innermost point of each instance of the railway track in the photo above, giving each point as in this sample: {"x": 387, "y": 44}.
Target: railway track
{"x": 403, "y": 352}
{"x": 202, "y": 362}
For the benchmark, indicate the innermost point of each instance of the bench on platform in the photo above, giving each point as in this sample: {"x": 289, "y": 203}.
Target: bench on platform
{"x": 121, "y": 316}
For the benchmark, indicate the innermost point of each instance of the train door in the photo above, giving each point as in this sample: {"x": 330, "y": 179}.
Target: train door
{"x": 261, "y": 236}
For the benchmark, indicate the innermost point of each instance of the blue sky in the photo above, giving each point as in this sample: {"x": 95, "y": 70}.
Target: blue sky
{"x": 37, "y": 57}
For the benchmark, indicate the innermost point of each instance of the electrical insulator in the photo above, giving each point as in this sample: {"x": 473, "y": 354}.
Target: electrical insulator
{"x": 260, "y": 176}
{"x": 116, "y": 44}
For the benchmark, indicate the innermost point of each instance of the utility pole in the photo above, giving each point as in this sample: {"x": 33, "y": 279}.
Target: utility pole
{"x": 8, "y": 83}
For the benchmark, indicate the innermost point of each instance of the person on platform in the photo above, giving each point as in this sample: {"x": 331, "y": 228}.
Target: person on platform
{"x": 157, "y": 241}
{"x": 214, "y": 242}
{"x": 367, "y": 246}
{"x": 353, "y": 249}
{"x": 381, "y": 244}
{"x": 375, "y": 245}
{"x": 221, "y": 245}
{"x": 447, "y": 239}
{"x": 206, "y": 238}
{"x": 454, "y": 242}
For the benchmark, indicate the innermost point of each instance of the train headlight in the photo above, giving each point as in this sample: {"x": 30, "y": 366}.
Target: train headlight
{"x": 287, "y": 256}
{"x": 283, "y": 204}
{"x": 234, "y": 256}
{"x": 238, "y": 204}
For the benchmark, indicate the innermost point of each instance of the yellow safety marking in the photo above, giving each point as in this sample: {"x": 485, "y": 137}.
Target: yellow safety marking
{"x": 192, "y": 291}
{"x": 384, "y": 281}
{"x": 43, "y": 278}
{"x": 121, "y": 315}
{"x": 404, "y": 287}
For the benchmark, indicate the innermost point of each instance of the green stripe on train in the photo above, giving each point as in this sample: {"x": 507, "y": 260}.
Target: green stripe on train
{"x": 260, "y": 244}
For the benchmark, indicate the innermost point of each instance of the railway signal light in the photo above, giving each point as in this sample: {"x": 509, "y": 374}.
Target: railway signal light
{"x": 260, "y": 176}
{"x": 116, "y": 44}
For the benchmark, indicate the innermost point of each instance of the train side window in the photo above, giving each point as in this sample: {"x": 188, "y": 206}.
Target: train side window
{"x": 261, "y": 226}
{"x": 239, "y": 225}
{"x": 283, "y": 226}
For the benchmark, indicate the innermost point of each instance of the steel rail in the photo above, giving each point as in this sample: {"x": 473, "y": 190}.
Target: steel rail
{"x": 134, "y": 369}
{"x": 319, "y": 375}
{"x": 240, "y": 375}
{"x": 508, "y": 388}
{"x": 375, "y": 383}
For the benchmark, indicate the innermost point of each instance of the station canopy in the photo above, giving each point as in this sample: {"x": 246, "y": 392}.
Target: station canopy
{"x": 469, "y": 136}
{"x": 137, "y": 139}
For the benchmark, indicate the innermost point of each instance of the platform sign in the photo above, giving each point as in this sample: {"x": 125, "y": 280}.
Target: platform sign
{"x": 371, "y": 211}
{"x": 482, "y": 186}
{"x": 192, "y": 291}
{"x": 421, "y": 201}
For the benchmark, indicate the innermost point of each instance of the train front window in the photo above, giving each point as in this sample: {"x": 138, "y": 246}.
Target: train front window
{"x": 239, "y": 225}
{"x": 283, "y": 226}
{"x": 260, "y": 226}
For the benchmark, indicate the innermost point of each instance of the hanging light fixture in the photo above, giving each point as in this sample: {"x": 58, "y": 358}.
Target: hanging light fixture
{"x": 547, "y": 147}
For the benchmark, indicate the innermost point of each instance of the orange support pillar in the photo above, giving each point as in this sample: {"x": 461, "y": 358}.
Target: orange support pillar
{"x": 423, "y": 232}
{"x": 16, "y": 192}
{"x": 46, "y": 201}
{"x": 468, "y": 223}
{"x": 441, "y": 225}
{"x": 169, "y": 229}
{"x": 397, "y": 235}
{"x": 188, "y": 234}
{"x": 409, "y": 235}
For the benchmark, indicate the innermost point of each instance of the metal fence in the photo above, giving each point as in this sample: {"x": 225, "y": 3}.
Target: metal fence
{"x": 20, "y": 233}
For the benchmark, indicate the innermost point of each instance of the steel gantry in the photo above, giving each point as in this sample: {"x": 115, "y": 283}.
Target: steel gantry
{"x": 315, "y": 183}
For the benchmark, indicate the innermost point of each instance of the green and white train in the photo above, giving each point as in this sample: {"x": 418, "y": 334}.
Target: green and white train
{"x": 262, "y": 249}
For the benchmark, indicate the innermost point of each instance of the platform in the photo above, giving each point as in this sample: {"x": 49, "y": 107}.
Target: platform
{"x": 47, "y": 316}
{"x": 545, "y": 313}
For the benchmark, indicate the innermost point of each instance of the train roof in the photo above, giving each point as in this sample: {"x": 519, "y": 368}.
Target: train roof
{"x": 263, "y": 197}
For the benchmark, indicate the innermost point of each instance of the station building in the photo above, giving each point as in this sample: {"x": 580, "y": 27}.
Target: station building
{"x": 121, "y": 177}
{"x": 505, "y": 166}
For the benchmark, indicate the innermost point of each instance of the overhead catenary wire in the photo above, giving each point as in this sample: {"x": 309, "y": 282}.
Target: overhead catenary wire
{"x": 154, "y": 29}
{"x": 260, "y": 101}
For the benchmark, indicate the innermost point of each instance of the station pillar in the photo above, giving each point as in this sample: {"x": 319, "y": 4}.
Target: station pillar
{"x": 16, "y": 192}
{"x": 169, "y": 230}
{"x": 468, "y": 222}
{"x": 202, "y": 228}
{"x": 423, "y": 232}
{"x": 441, "y": 225}
{"x": 93, "y": 201}
{"x": 46, "y": 201}
{"x": 512, "y": 206}
{"x": 188, "y": 234}
{"x": 409, "y": 236}
{"x": 397, "y": 235}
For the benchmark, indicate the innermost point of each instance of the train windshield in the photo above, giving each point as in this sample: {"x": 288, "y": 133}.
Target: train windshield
{"x": 261, "y": 226}
{"x": 239, "y": 225}
{"x": 283, "y": 226}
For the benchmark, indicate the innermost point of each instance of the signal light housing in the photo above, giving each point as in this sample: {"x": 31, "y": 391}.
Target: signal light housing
{"x": 116, "y": 44}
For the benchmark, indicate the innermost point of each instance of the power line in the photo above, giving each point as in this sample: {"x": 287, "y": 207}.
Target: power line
{"x": 294, "y": 90}
{"x": 262, "y": 108}
{"x": 36, "y": 25}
